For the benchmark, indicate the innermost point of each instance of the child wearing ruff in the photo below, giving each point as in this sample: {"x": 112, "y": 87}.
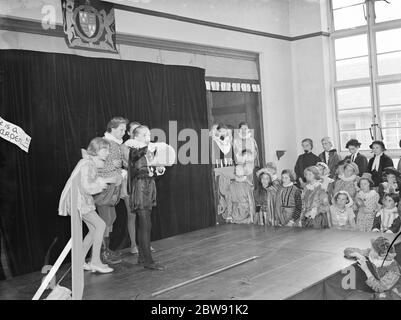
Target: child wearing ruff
{"x": 315, "y": 202}
{"x": 382, "y": 271}
{"x": 367, "y": 203}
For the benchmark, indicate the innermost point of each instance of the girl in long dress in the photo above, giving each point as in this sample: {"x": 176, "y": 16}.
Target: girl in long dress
{"x": 289, "y": 201}
{"x": 367, "y": 203}
{"x": 265, "y": 199}
{"x": 315, "y": 202}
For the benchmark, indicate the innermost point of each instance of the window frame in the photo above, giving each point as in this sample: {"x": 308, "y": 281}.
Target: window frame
{"x": 374, "y": 79}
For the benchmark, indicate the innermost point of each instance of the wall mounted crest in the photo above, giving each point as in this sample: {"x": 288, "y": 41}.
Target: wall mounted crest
{"x": 89, "y": 24}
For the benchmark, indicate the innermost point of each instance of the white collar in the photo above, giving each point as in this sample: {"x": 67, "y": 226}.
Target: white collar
{"x": 109, "y": 136}
{"x": 288, "y": 185}
{"x": 133, "y": 143}
{"x": 312, "y": 186}
{"x": 378, "y": 262}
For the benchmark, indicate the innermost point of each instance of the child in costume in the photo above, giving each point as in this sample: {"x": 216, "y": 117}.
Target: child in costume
{"x": 264, "y": 194}
{"x": 315, "y": 202}
{"x": 367, "y": 203}
{"x": 341, "y": 214}
{"x": 325, "y": 180}
{"x": 391, "y": 182}
{"x": 347, "y": 179}
{"x": 142, "y": 168}
{"x": 387, "y": 219}
{"x": 89, "y": 185}
{"x": 289, "y": 200}
{"x": 383, "y": 274}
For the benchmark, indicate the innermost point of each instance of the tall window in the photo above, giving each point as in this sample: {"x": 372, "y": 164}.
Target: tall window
{"x": 366, "y": 37}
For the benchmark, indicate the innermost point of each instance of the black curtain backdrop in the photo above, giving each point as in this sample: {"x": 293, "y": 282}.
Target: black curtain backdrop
{"x": 62, "y": 102}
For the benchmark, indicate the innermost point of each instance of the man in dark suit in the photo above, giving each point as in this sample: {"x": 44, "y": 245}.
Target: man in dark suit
{"x": 359, "y": 159}
{"x": 329, "y": 155}
{"x": 380, "y": 161}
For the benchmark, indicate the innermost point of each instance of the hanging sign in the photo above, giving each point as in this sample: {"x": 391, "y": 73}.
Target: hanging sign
{"x": 14, "y": 134}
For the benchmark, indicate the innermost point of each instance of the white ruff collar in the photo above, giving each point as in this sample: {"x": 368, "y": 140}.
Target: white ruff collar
{"x": 344, "y": 178}
{"x": 387, "y": 216}
{"x": 312, "y": 186}
{"x": 288, "y": 185}
{"x": 378, "y": 262}
{"x": 133, "y": 143}
{"x": 109, "y": 136}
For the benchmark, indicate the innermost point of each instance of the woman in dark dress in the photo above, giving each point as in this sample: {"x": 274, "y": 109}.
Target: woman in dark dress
{"x": 379, "y": 162}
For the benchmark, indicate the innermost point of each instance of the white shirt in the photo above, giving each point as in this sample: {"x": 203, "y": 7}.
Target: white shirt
{"x": 376, "y": 162}
{"x": 327, "y": 156}
{"x": 353, "y": 157}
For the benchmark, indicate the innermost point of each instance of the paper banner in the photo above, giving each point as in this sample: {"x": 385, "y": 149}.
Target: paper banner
{"x": 14, "y": 134}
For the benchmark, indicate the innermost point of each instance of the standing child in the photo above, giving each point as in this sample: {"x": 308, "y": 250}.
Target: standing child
{"x": 387, "y": 219}
{"x": 89, "y": 184}
{"x": 341, "y": 214}
{"x": 315, "y": 201}
{"x": 265, "y": 196}
{"x": 288, "y": 202}
{"x": 367, "y": 203}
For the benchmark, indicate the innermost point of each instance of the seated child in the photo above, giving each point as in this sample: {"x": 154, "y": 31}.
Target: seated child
{"x": 391, "y": 182}
{"x": 383, "y": 274}
{"x": 326, "y": 181}
{"x": 289, "y": 202}
{"x": 387, "y": 219}
{"x": 315, "y": 201}
{"x": 347, "y": 179}
{"x": 341, "y": 214}
{"x": 367, "y": 203}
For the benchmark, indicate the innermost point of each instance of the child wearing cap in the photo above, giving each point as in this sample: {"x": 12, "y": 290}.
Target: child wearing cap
{"x": 341, "y": 215}
{"x": 387, "y": 219}
{"x": 367, "y": 203}
{"x": 381, "y": 269}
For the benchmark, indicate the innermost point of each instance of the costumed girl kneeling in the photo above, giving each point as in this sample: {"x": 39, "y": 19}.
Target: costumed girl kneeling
{"x": 89, "y": 184}
{"x": 382, "y": 273}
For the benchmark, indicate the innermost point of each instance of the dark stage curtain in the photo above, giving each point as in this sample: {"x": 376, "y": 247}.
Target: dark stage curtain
{"x": 62, "y": 102}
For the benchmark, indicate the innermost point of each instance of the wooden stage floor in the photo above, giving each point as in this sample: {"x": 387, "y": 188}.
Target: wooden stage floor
{"x": 290, "y": 260}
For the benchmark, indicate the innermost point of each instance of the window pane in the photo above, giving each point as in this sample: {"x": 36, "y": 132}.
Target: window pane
{"x": 345, "y": 3}
{"x": 389, "y": 40}
{"x": 355, "y": 119}
{"x": 391, "y": 137}
{"x": 349, "y": 17}
{"x": 351, "y": 47}
{"x": 390, "y": 94}
{"x": 389, "y": 63}
{"x": 353, "y": 98}
{"x": 388, "y": 11}
{"x": 352, "y": 69}
{"x": 362, "y": 135}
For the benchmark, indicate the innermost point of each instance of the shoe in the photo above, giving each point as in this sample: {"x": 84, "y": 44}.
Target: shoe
{"x": 140, "y": 261}
{"x": 154, "y": 266}
{"x": 113, "y": 254}
{"x": 103, "y": 269}
{"x": 107, "y": 258}
{"x": 134, "y": 250}
{"x": 151, "y": 249}
{"x": 87, "y": 267}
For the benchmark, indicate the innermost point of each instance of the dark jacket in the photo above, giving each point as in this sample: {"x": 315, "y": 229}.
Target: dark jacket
{"x": 334, "y": 159}
{"x": 305, "y": 160}
{"x": 361, "y": 161}
{"x": 385, "y": 162}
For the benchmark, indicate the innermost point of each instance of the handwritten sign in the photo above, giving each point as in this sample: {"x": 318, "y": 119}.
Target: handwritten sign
{"x": 14, "y": 134}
